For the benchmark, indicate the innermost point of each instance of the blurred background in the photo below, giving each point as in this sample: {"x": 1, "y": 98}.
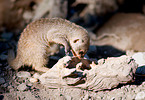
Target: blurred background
{"x": 114, "y": 26}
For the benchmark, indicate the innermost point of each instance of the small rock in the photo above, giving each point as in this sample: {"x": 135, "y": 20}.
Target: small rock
{"x": 5, "y": 85}
{"x": 2, "y": 80}
{"x": 22, "y": 87}
{"x": 2, "y": 74}
{"x": 14, "y": 77}
{"x": 3, "y": 57}
{"x": 33, "y": 80}
{"x": 8, "y": 67}
{"x": 29, "y": 84}
{"x": 11, "y": 90}
{"x": 1, "y": 97}
{"x": 140, "y": 96}
{"x": 140, "y": 70}
{"x": 139, "y": 58}
{"x": 10, "y": 87}
{"x": 92, "y": 49}
{"x": 7, "y": 35}
{"x": 23, "y": 74}
{"x": 36, "y": 75}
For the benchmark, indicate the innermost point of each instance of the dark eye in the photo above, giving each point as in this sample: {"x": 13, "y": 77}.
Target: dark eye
{"x": 76, "y": 40}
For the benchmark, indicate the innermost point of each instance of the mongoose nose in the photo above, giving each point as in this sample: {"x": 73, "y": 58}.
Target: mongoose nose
{"x": 81, "y": 53}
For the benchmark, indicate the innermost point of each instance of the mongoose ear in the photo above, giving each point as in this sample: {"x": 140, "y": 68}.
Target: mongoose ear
{"x": 76, "y": 40}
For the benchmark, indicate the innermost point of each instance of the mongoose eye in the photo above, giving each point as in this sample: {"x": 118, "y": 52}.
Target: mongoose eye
{"x": 76, "y": 40}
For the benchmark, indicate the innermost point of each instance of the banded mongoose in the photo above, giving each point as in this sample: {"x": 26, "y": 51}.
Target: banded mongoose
{"x": 37, "y": 37}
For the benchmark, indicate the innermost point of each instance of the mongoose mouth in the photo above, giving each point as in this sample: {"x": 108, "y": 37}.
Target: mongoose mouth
{"x": 81, "y": 54}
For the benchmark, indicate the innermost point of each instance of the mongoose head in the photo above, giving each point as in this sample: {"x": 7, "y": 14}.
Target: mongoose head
{"x": 80, "y": 44}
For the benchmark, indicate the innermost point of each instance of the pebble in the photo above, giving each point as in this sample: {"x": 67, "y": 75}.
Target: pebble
{"x": 140, "y": 96}
{"x": 33, "y": 80}
{"x": 29, "y": 84}
{"x": 3, "y": 57}
{"x": 2, "y": 80}
{"x": 22, "y": 87}
{"x": 2, "y": 74}
{"x": 23, "y": 74}
{"x": 92, "y": 49}
{"x": 7, "y": 35}
{"x": 1, "y": 97}
{"x": 141, "y": 70}
{"x": 10, "y": 87}
{"x": 5, "y": 85}
{"x": 11, "y": 90}
{"x": 139, "y": 58}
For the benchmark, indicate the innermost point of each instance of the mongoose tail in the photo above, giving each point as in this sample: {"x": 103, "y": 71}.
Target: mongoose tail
{"x": 12, "y": 61}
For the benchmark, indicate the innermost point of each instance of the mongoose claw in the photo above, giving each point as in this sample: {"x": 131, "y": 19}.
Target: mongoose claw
{"x": 67, "y": 53}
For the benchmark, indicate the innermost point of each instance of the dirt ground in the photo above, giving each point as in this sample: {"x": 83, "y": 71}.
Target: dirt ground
{"x": 17, "y": 85}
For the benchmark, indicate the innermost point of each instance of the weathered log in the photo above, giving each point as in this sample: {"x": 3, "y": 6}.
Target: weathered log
{"x": 109, "y": 73}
